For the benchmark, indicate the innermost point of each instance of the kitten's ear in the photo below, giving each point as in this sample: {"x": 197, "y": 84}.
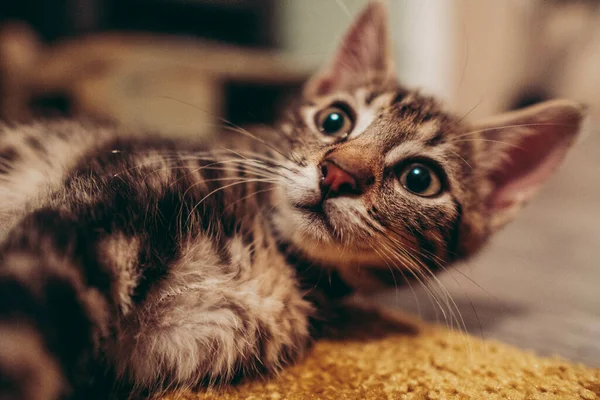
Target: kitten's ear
{"x": 363, "y": 55}
{"x": 520, "y": 150}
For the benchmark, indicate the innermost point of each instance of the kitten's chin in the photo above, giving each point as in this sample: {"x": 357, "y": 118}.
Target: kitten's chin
{"x": 312, "y": 229}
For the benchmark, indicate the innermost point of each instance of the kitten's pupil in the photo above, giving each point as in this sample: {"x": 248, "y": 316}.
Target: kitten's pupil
{"x": 422, "y": 180}
{"x": 334, "y": 121}
{"x": 418, "y": 179}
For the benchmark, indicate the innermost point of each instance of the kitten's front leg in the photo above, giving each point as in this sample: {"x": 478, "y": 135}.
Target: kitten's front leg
{"x": 206, "y": 321}
{"x": 209, "y": 322}
{"x": 27, "y": 370}
{"x": 51, "y": 323}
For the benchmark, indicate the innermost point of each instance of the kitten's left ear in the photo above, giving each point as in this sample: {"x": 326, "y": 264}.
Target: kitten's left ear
{"x": 364, "y": 54}
{"x": 520, "y": 150}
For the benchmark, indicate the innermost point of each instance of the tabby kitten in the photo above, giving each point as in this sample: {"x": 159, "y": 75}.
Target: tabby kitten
{"x": 170, "y": 266}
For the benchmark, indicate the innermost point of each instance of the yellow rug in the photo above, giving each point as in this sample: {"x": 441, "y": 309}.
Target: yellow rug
{"x": 384, "y": 357}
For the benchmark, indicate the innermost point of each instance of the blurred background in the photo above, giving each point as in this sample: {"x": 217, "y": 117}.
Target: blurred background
{"x": 181, "y": 66}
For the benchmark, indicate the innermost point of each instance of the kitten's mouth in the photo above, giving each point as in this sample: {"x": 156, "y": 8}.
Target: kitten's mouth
{"x": 313, "y": 208}
{"x": 316, "y": 212}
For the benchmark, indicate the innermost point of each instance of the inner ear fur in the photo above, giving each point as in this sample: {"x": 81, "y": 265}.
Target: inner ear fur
{"x": 520, "y": 150}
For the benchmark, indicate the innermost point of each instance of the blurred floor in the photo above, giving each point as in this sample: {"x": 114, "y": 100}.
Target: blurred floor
{"x": 537, "y": 285}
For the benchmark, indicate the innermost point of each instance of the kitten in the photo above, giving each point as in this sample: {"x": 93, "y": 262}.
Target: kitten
{"x": 172, "y": 266}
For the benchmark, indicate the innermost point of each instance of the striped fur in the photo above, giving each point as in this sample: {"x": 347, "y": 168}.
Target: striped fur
{"x": 171, "y": 285}
{"x": 140, "y": 264}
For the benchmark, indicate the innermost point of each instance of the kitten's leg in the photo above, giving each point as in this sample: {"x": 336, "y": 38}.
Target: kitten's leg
{"x": 65, "y": 284}
{"x": 53, "y": 309}
{"x": 215, "y": 317}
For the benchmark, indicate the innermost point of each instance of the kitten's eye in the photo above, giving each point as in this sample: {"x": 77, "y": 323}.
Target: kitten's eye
{"x": 334, "y": 121}
{"x": 421, "y": 180}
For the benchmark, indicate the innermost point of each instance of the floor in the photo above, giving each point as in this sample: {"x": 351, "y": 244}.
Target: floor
{"x": 537, "y": 285}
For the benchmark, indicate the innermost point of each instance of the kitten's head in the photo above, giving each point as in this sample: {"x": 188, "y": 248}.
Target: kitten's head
{"x": 384, "y": 181}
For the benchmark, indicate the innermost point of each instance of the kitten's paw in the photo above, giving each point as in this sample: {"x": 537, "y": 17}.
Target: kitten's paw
{"x": 27, "y": 370}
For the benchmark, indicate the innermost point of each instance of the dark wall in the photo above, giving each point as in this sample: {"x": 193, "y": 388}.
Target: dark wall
{"x": 244, "y": 22}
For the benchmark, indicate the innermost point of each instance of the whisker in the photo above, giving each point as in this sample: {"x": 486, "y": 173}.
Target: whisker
{"x": 256, "y": 155}
{"x": 216, "y": 166}
{"x": 461, "y": 324}
{"x": 491, "y": 141}
{"x": 223, "y": 188}
{"x": 141, "y": 165}
{"x": 415, "y": 273}
{"x": 459, "y": 156}
{"x": 465, "y": 115}
{"x": 343, "y": 7}
{"x": 386, "y": 257}
{"x": 250, "y": 195}
{"x": 256, "y": 173}
{"x": 450, "y": 303}
{"x": 232, "y": 127}
{"x": 242, "y": 131}
{"x": 510, "y": 126}
{"x": 445, "y": 266}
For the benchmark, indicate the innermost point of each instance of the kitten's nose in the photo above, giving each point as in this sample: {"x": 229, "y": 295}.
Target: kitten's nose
{"x": 336, "y": 181}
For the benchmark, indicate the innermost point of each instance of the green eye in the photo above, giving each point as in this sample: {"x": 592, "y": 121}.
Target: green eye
{"x": 334, "y": 121}
{"x": 421, "y": 180}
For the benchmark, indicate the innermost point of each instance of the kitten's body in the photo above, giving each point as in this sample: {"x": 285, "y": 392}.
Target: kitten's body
{"x": 172, "y": 266}
{"x": 188, "y": 282}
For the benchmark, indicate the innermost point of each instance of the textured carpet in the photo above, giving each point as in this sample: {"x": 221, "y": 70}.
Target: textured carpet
{"x": 377, "y": 356}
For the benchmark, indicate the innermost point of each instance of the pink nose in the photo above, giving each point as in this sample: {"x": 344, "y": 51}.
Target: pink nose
{"x": 336, "y": 181}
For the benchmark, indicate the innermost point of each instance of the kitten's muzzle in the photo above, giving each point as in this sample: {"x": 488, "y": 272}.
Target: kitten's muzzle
{"x": 338, "y": 181}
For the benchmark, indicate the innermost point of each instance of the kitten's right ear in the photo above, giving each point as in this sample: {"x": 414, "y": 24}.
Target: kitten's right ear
{"x": 363, "y": 55}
